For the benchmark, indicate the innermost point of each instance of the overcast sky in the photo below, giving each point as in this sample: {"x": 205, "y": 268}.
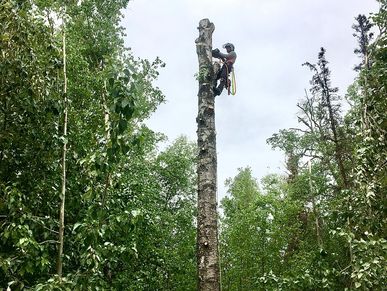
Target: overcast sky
{"x": 272, "y": 39}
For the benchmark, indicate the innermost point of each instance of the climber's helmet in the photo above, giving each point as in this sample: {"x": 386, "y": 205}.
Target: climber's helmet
{"x": 230, "y": 45}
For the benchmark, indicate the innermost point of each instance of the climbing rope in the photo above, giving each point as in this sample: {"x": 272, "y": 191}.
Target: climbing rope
{"x": 231, "y": 88}
{"x": 233, "y": 82}
{"x": 227, "y": 80}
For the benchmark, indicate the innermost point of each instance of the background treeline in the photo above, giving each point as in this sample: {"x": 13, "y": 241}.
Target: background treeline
{"x": 130, "y": 208}
{"x": 324, "y": 225}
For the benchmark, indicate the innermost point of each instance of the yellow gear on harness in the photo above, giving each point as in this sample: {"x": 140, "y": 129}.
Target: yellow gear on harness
{"x": 233, "y": 82}
{"x": 231, "y": 88}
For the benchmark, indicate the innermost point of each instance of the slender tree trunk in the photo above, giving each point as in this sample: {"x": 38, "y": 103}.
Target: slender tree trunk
{"x": 364, "y": 113}
{"x": 338, "y": 148}
{"x": 323, "y": 82}
{"x": 342, "y": 170}
{"x": 339, "y": 159}
{"x": 332, "y": 121}
{"x": 59, "y": 264}
{"x": 207, "y": 221}
{"x": 315, "y": 212}
{"x": 107, "y": 137}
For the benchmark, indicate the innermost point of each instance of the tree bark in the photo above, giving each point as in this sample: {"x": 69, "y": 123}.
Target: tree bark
{"x": 207, "y": 220}
{"x": 338, "y": 148}
{"x": 59, "y": 262}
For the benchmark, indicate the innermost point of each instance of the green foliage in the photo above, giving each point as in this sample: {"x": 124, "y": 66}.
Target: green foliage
{"x": 368, "y": 270}
{"x": 129, "y": 219}
{"x": 369, "y": 199}
{"x": 203, "y": 74}
{"x": 254, "y": 231}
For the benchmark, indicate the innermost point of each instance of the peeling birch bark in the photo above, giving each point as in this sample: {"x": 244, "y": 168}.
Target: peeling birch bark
{"x": 207, "y": 220}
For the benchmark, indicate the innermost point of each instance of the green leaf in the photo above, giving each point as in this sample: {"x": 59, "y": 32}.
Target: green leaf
{"x": 125, "y": 102}
{"x": 76, "y": 225}
{"x": 122, "y": 126}
{"x": 128, "y": 111}
{"x": 64, "y": 139}
{"x": 125, "y": 148}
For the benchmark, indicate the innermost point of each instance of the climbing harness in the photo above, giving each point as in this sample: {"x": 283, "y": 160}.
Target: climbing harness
{"x": 230, "y": 84}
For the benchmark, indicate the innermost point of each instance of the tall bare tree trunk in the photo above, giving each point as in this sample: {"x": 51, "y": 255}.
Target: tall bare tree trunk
{"x": 59, "y": 263}
{"x": 207, "y": 221}
{"x": 338, "y": 147}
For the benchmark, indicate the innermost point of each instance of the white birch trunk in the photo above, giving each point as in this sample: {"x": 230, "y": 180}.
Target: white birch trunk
{"x": 207, "y": 221}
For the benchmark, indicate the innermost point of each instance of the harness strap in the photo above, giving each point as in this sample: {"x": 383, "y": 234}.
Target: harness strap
{"x": 231, "y": 88}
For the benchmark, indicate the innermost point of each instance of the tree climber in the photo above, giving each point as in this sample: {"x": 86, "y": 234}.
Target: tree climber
{"x": 228, "y": 61}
